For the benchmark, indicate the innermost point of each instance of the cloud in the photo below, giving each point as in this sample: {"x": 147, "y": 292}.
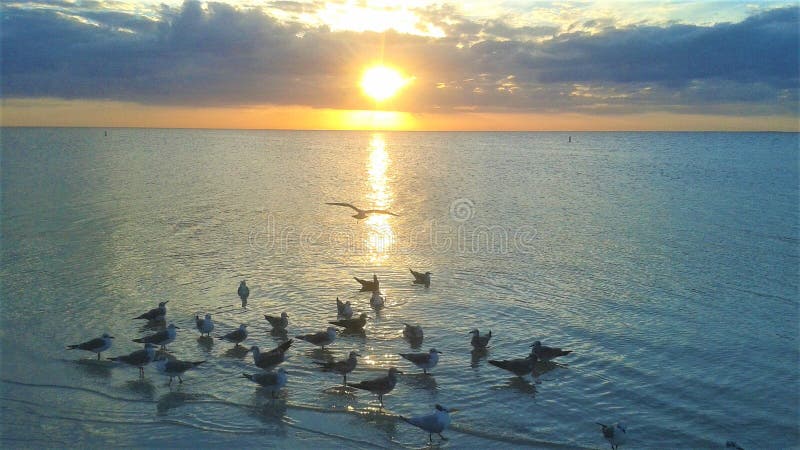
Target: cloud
{"x": 217, "y": 54}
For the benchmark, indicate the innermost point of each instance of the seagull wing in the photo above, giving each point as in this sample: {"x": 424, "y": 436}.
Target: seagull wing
{"x": 380, "y": 211}
{"x": 417, "y": 358}
{"x": 344, "y": 204}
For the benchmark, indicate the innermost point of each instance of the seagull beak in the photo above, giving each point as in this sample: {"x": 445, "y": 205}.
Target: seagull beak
{"x": 453, "y": 410}
{"x": 167, "y": 301}
{"x": 111, "y": 337}
{"x": 177, "y": 327}
{"x": 437, "y": 351}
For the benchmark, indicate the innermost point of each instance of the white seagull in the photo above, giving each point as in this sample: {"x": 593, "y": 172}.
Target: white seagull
{"x": 421, "y": 278}
{"x": 361, "y": 213}
{"x": 344, "y": 309}
{"x": 205, "y": 326}
{"x": 614, "y": 434}
{"x": 433, "y": 423}
{"x": 424, "y": 361}
{"x": 272, "y": 382}
{"x": 320, "y": 339}
{"x": 377, "y": 300}
{"x": 96, "y": 345}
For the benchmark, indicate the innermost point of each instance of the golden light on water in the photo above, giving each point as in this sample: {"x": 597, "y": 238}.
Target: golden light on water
{"x": 380, "y": 236}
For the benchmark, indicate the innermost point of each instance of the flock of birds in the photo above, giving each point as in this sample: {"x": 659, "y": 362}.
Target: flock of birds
{"x": 273, "y": 381}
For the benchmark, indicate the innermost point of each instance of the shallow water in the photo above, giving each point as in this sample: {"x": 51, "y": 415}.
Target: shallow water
{"x": 667, "y": 262}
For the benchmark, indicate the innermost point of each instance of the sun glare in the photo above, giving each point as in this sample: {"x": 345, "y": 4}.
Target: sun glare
{"x": 381, "y": 82}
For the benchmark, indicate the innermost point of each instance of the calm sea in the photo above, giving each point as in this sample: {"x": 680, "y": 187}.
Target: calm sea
{"x": 668, "y": 262}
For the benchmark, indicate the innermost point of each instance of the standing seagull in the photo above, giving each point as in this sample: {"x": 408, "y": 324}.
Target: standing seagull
{"x": 413, "y": 332}
{"x": 320, "y": 339}
{"x": 376, "y": 301}
{"x": 96, "y": 345}
{"x": 421, "y": 278}
{"x": 270, "y": 381}
{"x": 243, "y": 292}
{"x": 236, "y": 336}
{"x": 161, "y": 338}
{"x": 424, "y": 361}
{"x": 205, "y": 326}
{"x": 432, "y": 423}
{"x": 155, "y": 314}
{"x": 278, "y": 323}
{"x": 356, "y": 324}
{"x": 545, "y": 353}
{"x": 175, "y": 368}
{"x": 139, "y": 358}
{"x": 480, "y": 342}
{"x": 519, "y": 367}
{"x": 366, "y": 285}
{"x": 344, "y": 309}
{"x": 614, "y": 434}
{"x": 381, "y": 385}
{"x": 341, "y": 367}
{"x": 271, "y": 358}
{"x": 362, "y": 213}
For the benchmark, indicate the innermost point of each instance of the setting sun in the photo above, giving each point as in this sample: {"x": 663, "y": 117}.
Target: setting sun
{"x": 381, "y": 82}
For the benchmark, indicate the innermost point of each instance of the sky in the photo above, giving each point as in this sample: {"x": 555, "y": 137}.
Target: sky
{"x": 466, "y": 65}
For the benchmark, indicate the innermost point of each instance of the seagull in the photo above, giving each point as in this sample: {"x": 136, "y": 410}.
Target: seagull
{"x": 205, "y": 326}
{"x": 614, "y": 434}
{"x": 175, "y": 368}
{"x": 377, "y": 301}
{"x": 278, "y": 323}
{"x": 366, "y": 285}
{"x": 321, "y": 338}
{"x": 519, "y": 367}
{"x": 412, "y": 332}
{"x": 243, "y": 292}
{"x": 433, "y": 423}
{"x": 362, "y": 213}
{"x": 271, "y": 358}
{"x": 424, "y": 361}
{"x": 161, "y": 338}
{"x": 381, "y": 385}
{"x": 155, "y": 314}
{"x": 270, "y": 381}
{"x": 545, "y": 353}
{"x": 480, "y": 342}
{"x": 236, "y": 336}
{"x": 341, "y": 367}
{"x": 421, "y": 278}
{"x": 352, "y": 324}
{"x": 96, "y": 345}
{"x": 139, "y": 358}
{"x": 344, "y": 309}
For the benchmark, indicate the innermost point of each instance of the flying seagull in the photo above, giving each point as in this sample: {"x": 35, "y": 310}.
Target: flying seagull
{"x": 545, "y": 353}
{"x": 155, "y": 314}
{"x": 362, "y": 213}
{"x": 432, "y": 423}
{"x": 480, "y": 342}
{"x": 421, "y": 278}
{"x": 341, "y": 367}
{"x": 161, "y": 338}
{"x": 270, "y": 381}
{"x": 320, "y": 339}
{"x": 344, "y": 309}
{"x": 614, "y": 434}
{"x": 139, "y": 358}
{"x": 381, "y": 385}
{"x": 278, "y": 323}
{"x": 236, "y": 336}
{"x": 424, "y": 361}
{"x": 204, "y": 326}
{"x": 175, "y": 368}
{"x": 96, "y": 345}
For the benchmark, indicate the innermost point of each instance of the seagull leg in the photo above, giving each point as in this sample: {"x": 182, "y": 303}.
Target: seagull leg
{"x": 141, "y": 372}
{"x": 170, "y": 382}
{"x": 180, "y": 380}
{"x": 430, "y": 438}
{"x": 98, "y": 356}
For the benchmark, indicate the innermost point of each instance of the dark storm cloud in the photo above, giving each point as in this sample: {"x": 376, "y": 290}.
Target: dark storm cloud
{"x": 217, "y": 54}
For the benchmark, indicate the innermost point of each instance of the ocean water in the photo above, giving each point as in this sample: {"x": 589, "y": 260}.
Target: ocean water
{"x": 668, "y": 263}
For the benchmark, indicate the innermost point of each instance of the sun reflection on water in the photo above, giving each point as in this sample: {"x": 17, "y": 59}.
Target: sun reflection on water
{"x": 380, "y": 236}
